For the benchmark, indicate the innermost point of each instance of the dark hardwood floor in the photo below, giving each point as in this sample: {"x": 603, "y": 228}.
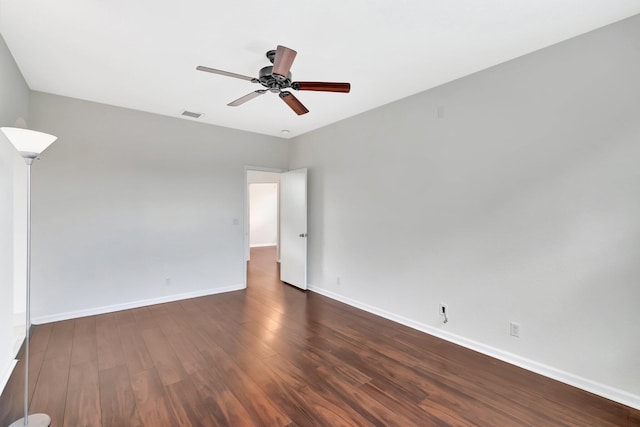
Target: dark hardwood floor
{"x": 272, "y": 355}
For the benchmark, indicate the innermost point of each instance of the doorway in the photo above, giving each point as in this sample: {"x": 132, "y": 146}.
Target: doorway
{"x": 286, "y": 236}
{"x": 262, "y": 210}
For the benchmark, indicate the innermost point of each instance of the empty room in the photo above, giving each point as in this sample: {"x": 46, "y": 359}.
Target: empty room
{"x": 350, "y": 213}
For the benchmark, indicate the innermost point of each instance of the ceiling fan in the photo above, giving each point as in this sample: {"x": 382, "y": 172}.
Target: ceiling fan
{"x": 277, "y": 77}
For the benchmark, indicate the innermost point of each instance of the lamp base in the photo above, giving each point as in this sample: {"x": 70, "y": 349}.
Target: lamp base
{"x": 34, "y": 420}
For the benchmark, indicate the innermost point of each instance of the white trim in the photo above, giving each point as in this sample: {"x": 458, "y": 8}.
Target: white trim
{"x": 6, "y": 374}
{"x": 603, "y": 390}
{"x": 133, "y": 304}
{"x": 263, "y": 245}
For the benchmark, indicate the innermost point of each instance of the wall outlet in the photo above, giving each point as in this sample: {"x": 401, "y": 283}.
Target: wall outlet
{"x": 514, "y": 329}
{"x": 338, "y": 280}
{"x": 167, "y": 281}
{"x": 443, "y": 309}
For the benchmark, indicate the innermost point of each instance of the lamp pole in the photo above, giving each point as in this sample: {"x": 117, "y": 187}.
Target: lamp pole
{"x": 33, "y": 420}
{"x": 29, "y": 144}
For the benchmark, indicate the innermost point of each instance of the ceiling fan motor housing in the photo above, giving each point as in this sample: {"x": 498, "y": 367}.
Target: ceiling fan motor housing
{"x": 268, "y": 80}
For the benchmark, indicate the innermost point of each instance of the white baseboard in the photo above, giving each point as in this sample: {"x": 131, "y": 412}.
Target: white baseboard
{"x": 603, "y": 390}
{"x": 262, "y": 245}
{"x": 5, "y": 374}
{"x": 134, "y": 304}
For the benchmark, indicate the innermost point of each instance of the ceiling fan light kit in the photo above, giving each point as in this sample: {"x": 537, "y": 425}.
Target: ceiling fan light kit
{"x": 276, "y": 78}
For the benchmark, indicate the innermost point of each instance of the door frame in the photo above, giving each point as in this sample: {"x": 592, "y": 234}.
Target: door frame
{"x": 245, "y": 218}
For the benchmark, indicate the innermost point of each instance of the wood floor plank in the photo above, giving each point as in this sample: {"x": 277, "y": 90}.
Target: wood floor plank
{"x": 145, "y": 319}
{"x": 117, "y": 401}
{"x": 84, "y": 327}
{"x": 185, "y": 346}
{"x": 427, "y": 375}
{"x": 501, "y": 386}
{"x": 336, "y": 409}
{"x": 83, "y": 408}
{"x": 192, "y": 409}
{"x": 312, "y": 356}
{"x": 223, "y": 370}
{"x": 234, "y": 412}
{"x": 454, "y": 406}
{"x": 135, "y": 351}
{"x": 60, "y": 340}
{"x": 84, "y": 349}
{"x": 167, "y": 324}
{"x": 40, "y": 335}
{"x": 152, "y": 405}
{"x": 248, "y": 342}
{"x": 408, "y": 409}
{"x": 50, "y": 394}
{"x": 164, "y": 358}
{"x": 396, "y": 378}
{"x": 108, "y": 345}
{"x": 493, "y": 392}
{"x": 292, "y": 394}
{"x": 125, "y": 318}
{"x": 335, "y": 389}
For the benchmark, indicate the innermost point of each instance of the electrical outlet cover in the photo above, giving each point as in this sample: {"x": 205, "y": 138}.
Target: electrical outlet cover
{"x": 514, "y": 329}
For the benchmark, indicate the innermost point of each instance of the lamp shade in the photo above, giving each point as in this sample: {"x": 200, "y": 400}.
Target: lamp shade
{"x": 28, "y": 142}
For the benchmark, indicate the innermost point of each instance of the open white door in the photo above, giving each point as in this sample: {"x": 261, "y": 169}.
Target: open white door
{"x": 293, "y": 228}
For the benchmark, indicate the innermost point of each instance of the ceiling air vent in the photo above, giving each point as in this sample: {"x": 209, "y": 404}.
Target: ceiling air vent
{"x": 191, "y": 114}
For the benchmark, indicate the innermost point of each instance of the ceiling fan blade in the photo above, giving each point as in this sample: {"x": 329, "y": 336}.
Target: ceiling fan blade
{"x": 226, "y": 73}
{"x": 322, "y": 86}
{"x": 283, "y": 61}
{"x": 293, "y": 102}
{"x": 246, "y": 98}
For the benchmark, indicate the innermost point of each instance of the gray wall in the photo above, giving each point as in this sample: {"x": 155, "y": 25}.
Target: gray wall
{"x": 520, "y": 203}
{"x": 14, "y": 101}
{"x": 131, "y": 207}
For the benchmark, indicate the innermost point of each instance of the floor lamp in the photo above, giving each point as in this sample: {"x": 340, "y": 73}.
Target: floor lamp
{"x": 30, "y": 144}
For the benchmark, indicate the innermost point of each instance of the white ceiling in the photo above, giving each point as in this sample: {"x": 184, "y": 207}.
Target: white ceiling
{"x": 142, "y": 54}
